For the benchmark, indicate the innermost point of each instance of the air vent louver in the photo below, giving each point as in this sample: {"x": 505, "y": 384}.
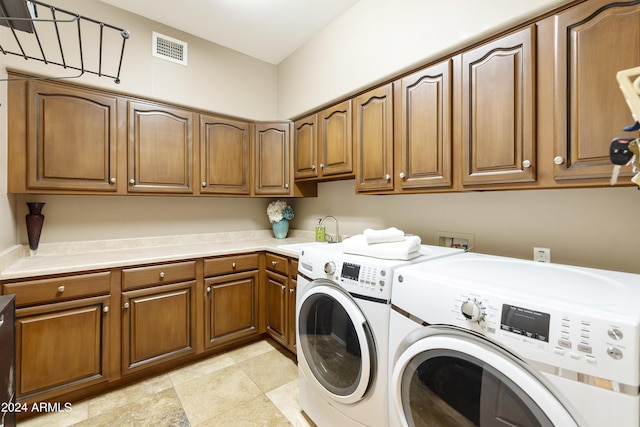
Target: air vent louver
{"x": 169, "y": 48}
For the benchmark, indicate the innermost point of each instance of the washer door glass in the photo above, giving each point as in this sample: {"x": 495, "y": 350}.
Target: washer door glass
{"x": 449, "y": 381}
{"x": 336, "y": 343}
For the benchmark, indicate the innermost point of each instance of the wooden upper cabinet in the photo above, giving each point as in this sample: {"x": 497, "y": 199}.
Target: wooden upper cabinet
{"x": 373, "y": 139}
{"x": 160, "y": 145}
{"x": 272, "y": 165}
{"x": 498, "y": 110}
{"x": 323, "y": 147}
{"x": 424, "y": 133}
{"x": 335, "y": 146}
{"x": 71, "y": 139}
{"x": 225, "y": 156}
{"x": 305, "y": 148}
{"x": 594, "y": 40}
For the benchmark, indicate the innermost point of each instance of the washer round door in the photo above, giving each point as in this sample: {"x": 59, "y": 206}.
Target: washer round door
{"x": 336, "y": 350}
{"x": 451, "y": 377}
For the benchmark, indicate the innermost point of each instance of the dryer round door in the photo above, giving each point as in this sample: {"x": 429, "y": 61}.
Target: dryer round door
{"x": 454, "y": 378}
{"x": 336, "y": 351}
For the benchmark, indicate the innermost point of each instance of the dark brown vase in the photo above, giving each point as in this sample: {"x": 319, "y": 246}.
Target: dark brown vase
{"x": 35, "y": 219}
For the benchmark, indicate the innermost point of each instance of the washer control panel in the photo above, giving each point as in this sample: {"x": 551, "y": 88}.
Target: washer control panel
{"x": 364, "y": 279}
{"x": 579, "y": 342}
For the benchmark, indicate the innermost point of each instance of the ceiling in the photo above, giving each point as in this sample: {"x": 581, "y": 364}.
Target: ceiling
{"x": 269, "y": 30}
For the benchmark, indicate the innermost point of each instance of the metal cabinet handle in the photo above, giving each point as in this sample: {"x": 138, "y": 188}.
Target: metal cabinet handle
{"x": 61, "y": 288}
{"x": 313, "y": 167}
{"x": 112, "y": 180}
{"x": 204, "y": 183}
{"x": 387, "y": 177}
{"x": 291, "y": 291}
{"x": 126, "y": 305}
{"x": 132, "y": 181}
{"x": 233, "y": 265}
{"x": 273, "y": 263}
{"x": 401, "y": 175}
{"x": 208, "y": 289}
{"x": 105, "y": 309}
{"x": 286, "y": 186}
{"x": 526, "y": 163}
{"x": 558, "y": 160}
{"x": 321, "y": 165}
{"x": 162, "y": 274}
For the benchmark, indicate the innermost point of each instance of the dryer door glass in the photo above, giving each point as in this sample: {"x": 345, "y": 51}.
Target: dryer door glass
{"x": 336, "y": 343}
{"x": 448, "y": 388}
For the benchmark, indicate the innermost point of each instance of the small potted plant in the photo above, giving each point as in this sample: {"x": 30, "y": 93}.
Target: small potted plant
{"x": 280, "y": 214}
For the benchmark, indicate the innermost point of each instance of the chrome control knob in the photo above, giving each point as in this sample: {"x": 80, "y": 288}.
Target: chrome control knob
{"x": 330, "y": 267}
{"x": 472, "y": 310}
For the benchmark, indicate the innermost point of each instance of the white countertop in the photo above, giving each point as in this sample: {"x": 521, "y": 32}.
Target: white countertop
{"x": 58, "y": 258}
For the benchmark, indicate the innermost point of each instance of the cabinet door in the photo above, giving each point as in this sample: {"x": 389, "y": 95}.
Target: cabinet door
{"x": 225, "y": 156}
{"x": 61, "y": 347}
{"x": 291, "y": 312}
{"x": 334, "y": 140}
{"x": 231, "y": 308}
{"x": 594, "y": 40}
{"x": 498, "y": 110}
{"x": 73, "y": 143}
{"x": 373, "y": 138}
{"x": 425, "y": 142}
{"x": 305, "y": 151}
{"x": 160, "y": 148}
{"x": 272, "y": 167}
{"x": 158, "y": 325}
{"x": 276, "y": 299}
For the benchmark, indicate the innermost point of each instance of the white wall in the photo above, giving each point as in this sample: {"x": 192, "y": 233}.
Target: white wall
{"x": 377, "y": 39}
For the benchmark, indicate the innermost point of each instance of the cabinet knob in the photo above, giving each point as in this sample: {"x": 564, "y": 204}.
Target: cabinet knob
{"x": 291, "y": 291}
{"x": 105, "y": 309}
{"x": 313, "y": 167}
{"x": 204, "y": 183}
{"x": 286, "y": 186}
{"x": 208, "y": 289}
{"x": 273, "y": 263}
{"x": 112, "y": 180}
{"x": 401, "y": 175}
{"x": 126, "y": 305}
{"x": 321, "y": 165}
{"x": 61, "y": 288}
{"x": 558, "y": 160}
{"x": 526, "y": 163}
{"x": 387, "y": 177}
{"x": 233, "y": 265}
{"x": 162, "y": 274}
{"x": 132, "y": 181}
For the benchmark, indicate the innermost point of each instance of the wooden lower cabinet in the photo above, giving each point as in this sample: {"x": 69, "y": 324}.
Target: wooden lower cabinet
{"x": 281, "y": 299}
{"x": 231, "y": 308}
{"x": 158, "y": 324}
{"x": 61, "y": 347}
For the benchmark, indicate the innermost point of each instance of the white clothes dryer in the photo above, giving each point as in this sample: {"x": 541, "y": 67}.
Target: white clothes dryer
{"x": 342, "y": 328}
{"x": 491, "y": 341}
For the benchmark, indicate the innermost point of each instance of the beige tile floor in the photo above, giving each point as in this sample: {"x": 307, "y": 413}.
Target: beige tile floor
{"x": 255, "y": 385}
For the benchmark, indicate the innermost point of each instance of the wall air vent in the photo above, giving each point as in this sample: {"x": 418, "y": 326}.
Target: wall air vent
{"x": 169, "y": 48}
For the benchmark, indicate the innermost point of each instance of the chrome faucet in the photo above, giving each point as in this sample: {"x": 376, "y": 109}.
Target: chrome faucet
{"x": 329, "y": 239}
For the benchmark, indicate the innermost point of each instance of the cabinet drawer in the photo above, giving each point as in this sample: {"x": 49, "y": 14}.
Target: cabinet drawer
{"x": 230, "y": 264}
{"x": 59, "y": 288}
{"x": 158, "y": 274}
{"x": 278, "y": 264}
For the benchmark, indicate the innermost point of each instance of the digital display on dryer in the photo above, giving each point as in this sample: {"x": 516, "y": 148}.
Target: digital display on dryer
{"x": 350, "y": 271}
{"x": 522, "y": 321}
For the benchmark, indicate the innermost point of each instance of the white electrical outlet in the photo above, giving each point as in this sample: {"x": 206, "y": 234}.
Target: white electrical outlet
{"x": 542, "y": 254}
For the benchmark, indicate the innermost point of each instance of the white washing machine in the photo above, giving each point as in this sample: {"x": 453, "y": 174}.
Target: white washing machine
{"x": 491, "y": 341}
{"x": 342, "y": 327}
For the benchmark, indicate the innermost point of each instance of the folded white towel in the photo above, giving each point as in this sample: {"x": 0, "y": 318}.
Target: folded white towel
{"x": 387, "y": 235}
{"x": 408, "y": 248}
